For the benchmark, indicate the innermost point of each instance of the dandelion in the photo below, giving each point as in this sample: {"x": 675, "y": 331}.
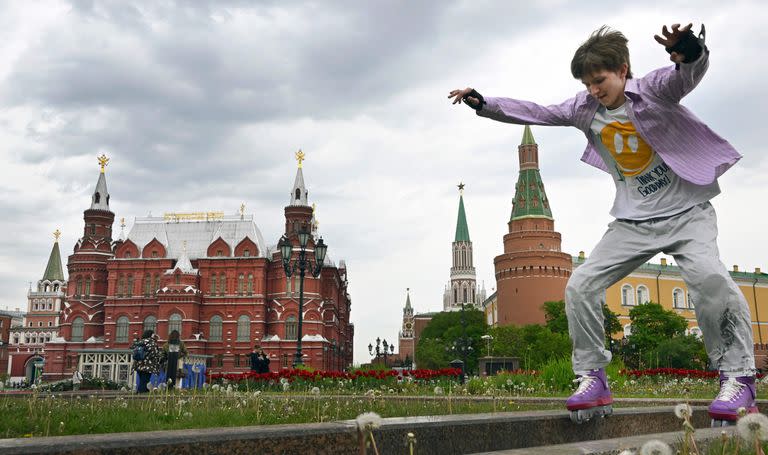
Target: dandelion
{"x": 286, "y": 386}
{"x": 655, "y": 447}
{"x": 256, "y": 393}
{"x": 438, "y": 390}
{"x": 753, "y": 426}
{"x": 315, "y": 391}
{"x": 683, "y": 411}
{"x": 391, "y": 391}
{"x": 187, "y": 414}
{"x": 366, "y": 423}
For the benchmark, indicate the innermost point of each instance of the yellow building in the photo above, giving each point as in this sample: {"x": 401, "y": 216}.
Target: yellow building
{"x": 663, "y": 284}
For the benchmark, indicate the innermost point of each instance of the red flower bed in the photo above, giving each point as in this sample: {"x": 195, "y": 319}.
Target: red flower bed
{"x": 305, "y": 375}
{"x": 674, "y": 372}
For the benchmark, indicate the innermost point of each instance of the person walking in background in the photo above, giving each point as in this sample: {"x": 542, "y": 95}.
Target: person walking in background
{"x": 146, "y": 359}
{"x": 263, "y": 362}
{"x": 175, "y": 353}
{"x": 256, "y": 360}
{"x": 77, "y": 378}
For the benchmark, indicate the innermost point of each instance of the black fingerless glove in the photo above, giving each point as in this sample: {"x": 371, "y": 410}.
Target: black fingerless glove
{"x": 474, "y": 94}
{"x": 689, "y": 46}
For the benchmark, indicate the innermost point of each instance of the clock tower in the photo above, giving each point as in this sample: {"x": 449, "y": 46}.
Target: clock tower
{"x": 407, "y": 341}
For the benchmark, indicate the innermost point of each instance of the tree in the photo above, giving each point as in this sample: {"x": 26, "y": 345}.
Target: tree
{"x": 651, "y": 324}
{"x": 444, "y": 332}
{"x": 557, "y": 321}
{"x": 685, "y": 351}
{"x": 533, "y": 344}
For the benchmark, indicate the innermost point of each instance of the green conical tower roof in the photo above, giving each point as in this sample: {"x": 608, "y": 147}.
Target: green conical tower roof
{"x": 462, "y": 231}
{"x": 530, "y": 198}
{"x": 54, "y": 271}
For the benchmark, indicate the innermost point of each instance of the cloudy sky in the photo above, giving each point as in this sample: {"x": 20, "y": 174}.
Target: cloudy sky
{"x": 201, "y": 106}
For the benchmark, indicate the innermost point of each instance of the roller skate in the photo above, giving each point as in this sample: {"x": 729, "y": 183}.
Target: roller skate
{"x": 592, "y": 398}
{"x": 735, "y": 393}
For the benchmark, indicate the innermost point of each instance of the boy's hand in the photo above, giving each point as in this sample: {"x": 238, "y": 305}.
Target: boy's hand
{"x": 671, "y": 38}
{"x": 458, "y": 96}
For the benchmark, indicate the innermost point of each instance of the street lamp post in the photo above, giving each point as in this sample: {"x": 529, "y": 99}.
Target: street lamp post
{"x": 303, "y": 264}
{"x": 389, "y": 349}
{"x": 487, "y": 339}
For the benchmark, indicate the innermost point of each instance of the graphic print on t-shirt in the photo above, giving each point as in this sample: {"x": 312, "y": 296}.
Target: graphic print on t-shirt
{"x": 632, "y": 154}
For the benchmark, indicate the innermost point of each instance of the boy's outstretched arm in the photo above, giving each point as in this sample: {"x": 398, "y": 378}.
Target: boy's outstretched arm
{"x": 691, "y": 58}
{"x": 511, "y": 110}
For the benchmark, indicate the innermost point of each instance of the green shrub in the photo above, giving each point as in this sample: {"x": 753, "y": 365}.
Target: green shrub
{"x": 558, "y": 374}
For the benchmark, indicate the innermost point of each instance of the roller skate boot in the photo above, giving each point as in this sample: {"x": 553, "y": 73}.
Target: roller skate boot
{"x": 735, "y": 393}
{"x": 592, "y": 398}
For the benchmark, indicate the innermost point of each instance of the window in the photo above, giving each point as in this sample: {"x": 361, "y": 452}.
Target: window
{"x": 121, "y": 332}
{"x": 291, "y": 328}
{"x": 284, "y": 361}
{"x": 150, "y": 323}
{"x": 174, "y": 323}
{"x": 222, "y": 284}
{"x": 695, "y": 331}
{"x": 627, "y": 295}
{"x": 213, "y": 284}
{"x": 34, "y": 307}
{"x": 250, "y": 284}
{"x": 247, "y": 253}
{"x": 50, "y": 324}
{"x": 240, "y": 284}
{"x": 465, "y": 295}
{"x": 129, "y": 287}
{"x": 127, "y": 254}
{"x": 678, "y": 298}
{"x": 77, "y": 329}
{"x": 220, "y": 360}
{"x": 178, "y": 278}
{"x": 237, "y": 360}
{"x": 154, "y": 253}
{"x": 627, "y": 330}
{"x": 690, "y": 303}
{"x": 642, "y": 295}
{"x": 93, "y": 229}
{"x": 243, "y": 328}
{"x": 455, "y": 295}
{"x": 288, "y": 286}
{"x": 147, "y": 285}
{"x": 78, "y": 286}
{"x": 219, "y": 253}
{"x": 157, "y": 283}
{"x": 215, "y": 329}
{"x": 40, "y": 323}
{"x": 88, "y": 287}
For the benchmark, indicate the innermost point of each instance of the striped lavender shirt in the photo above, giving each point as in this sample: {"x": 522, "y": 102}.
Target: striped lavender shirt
{"x": 685, "y": 143}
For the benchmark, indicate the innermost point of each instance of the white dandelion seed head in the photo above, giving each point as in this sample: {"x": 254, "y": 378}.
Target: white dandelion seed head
{"x": 753, "y": 426}
{"x": 683, "y": 411}
{"x": 438, "y": 390}
{"x": 315, "y": 391}
{"x": 257, "y": 393}
{"x": 187, "y": 414}
{"x": 627, "y": 452}
{"x": 283, "y": 380}
{"x": 368, "y": 421}
{"x": 655, "y": 447}
{"x": 286, "y": 386}
{"x": 741, "y": 412}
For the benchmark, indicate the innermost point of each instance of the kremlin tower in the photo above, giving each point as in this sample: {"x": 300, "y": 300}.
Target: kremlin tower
{"x": 532, "y": 270}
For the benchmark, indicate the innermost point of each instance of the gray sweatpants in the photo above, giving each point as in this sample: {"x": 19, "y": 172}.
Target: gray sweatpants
{"x": 691, "y": 238}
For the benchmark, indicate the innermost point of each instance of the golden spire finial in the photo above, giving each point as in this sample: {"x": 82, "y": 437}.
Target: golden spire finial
{"x": 300, "y": 156}
{"x": 461, "y": 188}
{"x": 56, "y": 235}
{"x": 314, "y": 206}
{"x": 103, "y": 160}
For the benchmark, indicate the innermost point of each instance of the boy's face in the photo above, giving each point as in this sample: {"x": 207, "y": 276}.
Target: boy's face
{"x": 607, "y": 86}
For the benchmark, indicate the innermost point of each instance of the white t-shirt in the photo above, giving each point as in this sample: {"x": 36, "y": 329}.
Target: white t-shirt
{"x": 645, "y": 186}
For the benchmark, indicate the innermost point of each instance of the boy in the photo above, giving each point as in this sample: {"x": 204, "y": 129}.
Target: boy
{"x": 664, "y": 162}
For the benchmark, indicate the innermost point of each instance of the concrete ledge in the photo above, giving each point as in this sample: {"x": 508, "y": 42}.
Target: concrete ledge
{"x": 456, "y": 434}
{"x": 614, "y": 446}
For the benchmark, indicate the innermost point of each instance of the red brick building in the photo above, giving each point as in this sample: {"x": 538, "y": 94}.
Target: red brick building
{"x": 210, "y": 276}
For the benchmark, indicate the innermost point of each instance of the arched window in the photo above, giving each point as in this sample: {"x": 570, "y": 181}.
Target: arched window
{"x": 78, "y": 324}
{"x": 627, "y": 295}
{"x": 97, "y": 197}
{"x": 250, "y": 284}
{"x": 455, "y": 295}
{"x": 147, "y": 285}
{"x": 150, "y": 323}
{"x": 678, "y": 298}
{"x": 690, "y": 303}
{"x": 174, "y": 323}
{"x": 78, "y": 286}
{"x": 243, "y": 328}
{"x": 695, "y": 331}
{"x": 129, "y": 287}
{"x": 121, "y": 332}
{"x": 298, "y": 194}
{"x": 88, "y": 287}
{"x": 222, "y": 284}
{"x": 291, "y": 328}
{"x": 213, "y": 284}
{"x": 643, "y": 296}
{"x": 465, "y": 296}
{"x": 627, "y": 330}
{"x": 215, "y": 329}
{"x": 247, "y": 253}
{"x": 240, "y": 284}
{"x": 157, "y": 283}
